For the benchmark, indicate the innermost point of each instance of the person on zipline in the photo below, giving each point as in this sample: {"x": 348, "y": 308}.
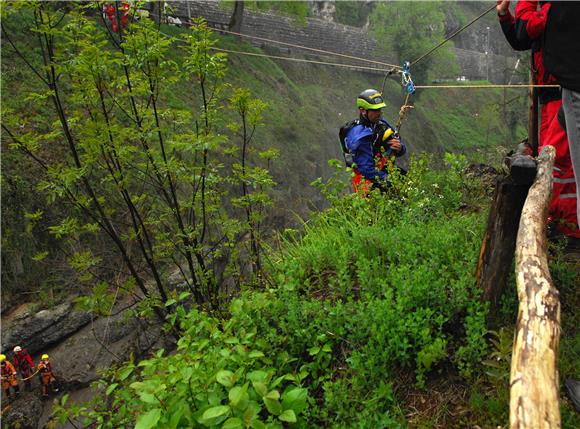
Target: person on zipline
{"x": 369, "y": 143}
{"x": 526, "y": 31}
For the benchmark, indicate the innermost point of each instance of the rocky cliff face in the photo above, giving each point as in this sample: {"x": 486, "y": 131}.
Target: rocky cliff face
{"x": 78, "y": 345}
{"x": 324, "y": 10}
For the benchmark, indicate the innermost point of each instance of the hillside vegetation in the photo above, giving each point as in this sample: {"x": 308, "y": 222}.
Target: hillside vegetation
{"x": 305, "y": 106}
{"x": 139, "y": 157}
{"x": 370, "y": 319}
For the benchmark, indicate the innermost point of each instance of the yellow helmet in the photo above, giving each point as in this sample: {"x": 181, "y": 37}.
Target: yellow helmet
{"x": 2, "y": 358}
{"x": 44, "y": 356}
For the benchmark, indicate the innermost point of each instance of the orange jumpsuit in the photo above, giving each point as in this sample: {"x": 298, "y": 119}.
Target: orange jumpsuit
{"x": 46, "y": 376}
{"x": 9, "y": 378}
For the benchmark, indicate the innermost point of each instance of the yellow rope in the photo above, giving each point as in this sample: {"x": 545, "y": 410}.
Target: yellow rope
{"x": 28, "y": 378}
{"x": 22, "y": 379}
{"x": 484, "y": 86}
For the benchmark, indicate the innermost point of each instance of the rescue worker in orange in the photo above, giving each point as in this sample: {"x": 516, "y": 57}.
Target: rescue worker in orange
{"x": 24, "y": 364}
{"x": 47, "y": 378}
{"x": 8, "y": 377}
{"x": 372, "y": 141}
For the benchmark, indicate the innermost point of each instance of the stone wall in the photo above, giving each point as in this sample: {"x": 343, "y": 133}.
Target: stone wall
{"x": 330, "y": 36}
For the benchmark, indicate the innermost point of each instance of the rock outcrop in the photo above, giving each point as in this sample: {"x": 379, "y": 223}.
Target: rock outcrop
{"x": 37, "y": 331}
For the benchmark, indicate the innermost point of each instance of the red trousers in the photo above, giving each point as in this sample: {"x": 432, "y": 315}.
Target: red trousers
{"x": 563, "y": 205}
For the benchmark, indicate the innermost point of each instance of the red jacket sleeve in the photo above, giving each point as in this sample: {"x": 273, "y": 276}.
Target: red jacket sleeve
{"x": 531, "y": 21}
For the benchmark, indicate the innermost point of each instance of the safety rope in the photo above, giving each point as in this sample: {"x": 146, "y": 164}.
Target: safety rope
{"x": 28, "y": 378}
{"x": 485, "y": 86}
{"x": 22, "y": 379}
{"x": 403, "y": 111}
{"x": 453, "y": 35}
{"x": 305, "y": 47}
{"x": 254, "y": 54}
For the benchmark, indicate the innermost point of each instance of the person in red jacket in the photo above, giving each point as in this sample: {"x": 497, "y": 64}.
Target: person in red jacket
{"x": 24, "y": 364}
{"x": 525, "y": 31}
{"x": 8, "y": 377}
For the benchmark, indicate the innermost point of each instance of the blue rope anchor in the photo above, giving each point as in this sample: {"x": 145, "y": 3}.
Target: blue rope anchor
{"x": 406, "y": 80}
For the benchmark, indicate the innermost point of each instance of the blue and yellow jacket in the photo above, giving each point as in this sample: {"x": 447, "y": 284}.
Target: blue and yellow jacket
{"x": 361, "y": 140}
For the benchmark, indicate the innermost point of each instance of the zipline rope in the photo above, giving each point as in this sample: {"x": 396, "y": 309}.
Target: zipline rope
{"x": 306, "y": 48}
{"x": 254, "y": 54}
{"x": 453, "y": 35}
{"x": 381, "y": 70}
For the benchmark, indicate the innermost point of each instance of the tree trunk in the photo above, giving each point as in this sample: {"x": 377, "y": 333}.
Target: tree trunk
{"x": 534, "y": 379}
{"x": 499, "y": 240}
{"x": 237, "y": 17}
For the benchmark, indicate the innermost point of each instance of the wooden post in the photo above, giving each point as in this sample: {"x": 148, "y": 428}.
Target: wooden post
{"x": 533, "y": 112}
{"x": 499, "y": 240}
{"x": 534, "y": 378}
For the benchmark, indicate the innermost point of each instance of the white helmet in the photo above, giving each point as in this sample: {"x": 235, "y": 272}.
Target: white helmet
{"x": 17, "y": 349}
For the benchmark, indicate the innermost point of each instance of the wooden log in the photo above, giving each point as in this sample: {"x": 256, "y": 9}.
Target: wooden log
{"x": 533, "y": 123}
{"x": 534, "y": 378}
{"x": 499, "y": 240}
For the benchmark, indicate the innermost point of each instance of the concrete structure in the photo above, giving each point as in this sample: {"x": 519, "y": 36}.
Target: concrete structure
{"x": 330, "y": 36}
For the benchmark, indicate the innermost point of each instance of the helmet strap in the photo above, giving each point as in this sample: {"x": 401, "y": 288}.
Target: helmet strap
{"x": 364, "y": 120}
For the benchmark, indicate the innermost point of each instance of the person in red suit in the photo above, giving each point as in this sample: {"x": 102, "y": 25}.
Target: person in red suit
{"x": 525, "y": 31}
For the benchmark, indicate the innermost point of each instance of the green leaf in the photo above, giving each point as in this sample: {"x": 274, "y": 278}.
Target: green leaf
{"x": 313, "y": 350}
{"x": 260, "y": 388}
{"x": 251, "y": 412}
{"x": 170, "y": 302}
{"x": 239, "y": 397}
{"x": 272, "y": 403}
{"x": 255, "y": 354}
{"x": 257, "y": 424}
{"x": 149, "y": 419}
{"x": 295, "y": 399}
{"x": 40, "y": 256}
{"x": 111, "y": 388}
{"x": 138, "y": 385}
{"x": 288, "y": 416}
{"x": 148, "y": 398}
{"x": 257, "y": 376}
{"x": 225, "y": 378}
{"x": 233, "y": 423}
{"x": 215, "y": 415}
{"x": 125, "y": 373}
{"x": 183, "y": 295}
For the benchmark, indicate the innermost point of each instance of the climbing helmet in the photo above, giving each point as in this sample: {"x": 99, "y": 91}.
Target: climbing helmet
{"x": 44, "y": 356}
{"x": 17, "y": 349}
{"x": 370, "y": 99}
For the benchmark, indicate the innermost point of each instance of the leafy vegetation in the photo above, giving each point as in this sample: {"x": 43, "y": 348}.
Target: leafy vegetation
{"x": 370, "y": 290}
{"x": 360, "y": 307}
{"x": 133, "y": 170}
{"x": 295, "y": 125}
{"x": 409, "y": 29}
